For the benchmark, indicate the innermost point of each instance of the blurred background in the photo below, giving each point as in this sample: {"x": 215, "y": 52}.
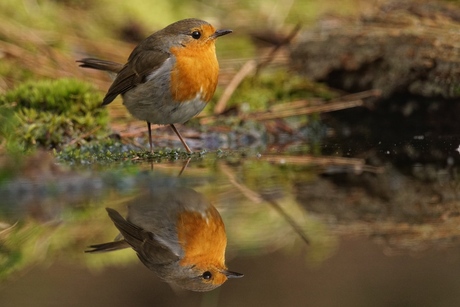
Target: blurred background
{"x": 44, "y": 38}
{"x": 331, "y": 150}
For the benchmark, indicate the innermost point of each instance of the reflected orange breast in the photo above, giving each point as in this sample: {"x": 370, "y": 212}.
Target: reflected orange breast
{"x": 202, "y": 238}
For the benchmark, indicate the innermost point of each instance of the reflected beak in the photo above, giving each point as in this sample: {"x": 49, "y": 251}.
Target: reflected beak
{"x": 220, "y": 33}
{"x": 231, "y": 274}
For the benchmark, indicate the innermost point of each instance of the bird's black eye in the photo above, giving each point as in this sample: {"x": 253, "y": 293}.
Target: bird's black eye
{"x": 196, "y": 34}
{"x": 207, "y": 275}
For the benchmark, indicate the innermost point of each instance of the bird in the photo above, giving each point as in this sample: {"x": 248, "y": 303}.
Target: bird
{"x": 169, "y": 77}
{"x": 178, "y": 234}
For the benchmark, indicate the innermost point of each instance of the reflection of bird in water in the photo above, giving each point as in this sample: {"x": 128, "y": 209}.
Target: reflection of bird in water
{"x": 177, "y": 234}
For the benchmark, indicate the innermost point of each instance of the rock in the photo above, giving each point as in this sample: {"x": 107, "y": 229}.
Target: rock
{"x": 403, "y": 48}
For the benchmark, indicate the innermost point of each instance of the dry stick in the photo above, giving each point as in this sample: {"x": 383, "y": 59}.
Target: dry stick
{"x": 361, "y": 95}
{"x": 318, "y": 102}
{"x": 295, "y": 110}
{"x": 291, "y": 222}
{"x": 306, "y": 110}
{"x": 358, "y": 165}
{"x": 258, "y": 198}
{"x": 245, "y": 70}
{"x": 250, "y": 194}
{"x": 275, "y": 49}
{"x": 81, "y": 137}
{"x": 296, "y": 104}
{"x": 331, "y": 160}
{"x": 248, "y": 68}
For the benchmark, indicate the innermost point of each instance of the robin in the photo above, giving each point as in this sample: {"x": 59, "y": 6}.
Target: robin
{"x": 178, "y": 235}
{"x": 169, "y": 77}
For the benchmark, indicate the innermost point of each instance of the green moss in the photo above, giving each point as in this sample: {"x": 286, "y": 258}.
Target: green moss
{"x": 108, "y": 151}
{"x": 52, "y": 113}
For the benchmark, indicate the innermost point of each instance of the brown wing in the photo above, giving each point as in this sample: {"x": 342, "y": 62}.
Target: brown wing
{"x": 141, "y": 63}
{"x": 149, "y": 250}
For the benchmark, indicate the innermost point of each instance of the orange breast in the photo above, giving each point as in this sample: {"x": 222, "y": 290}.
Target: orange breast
{"x": 202, "y": 238}
{"x": 195, "y": 72}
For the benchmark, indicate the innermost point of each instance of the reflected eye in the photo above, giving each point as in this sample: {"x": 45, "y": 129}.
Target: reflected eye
{"x": 207, "y": 275}
{"x": 196, "y": 34}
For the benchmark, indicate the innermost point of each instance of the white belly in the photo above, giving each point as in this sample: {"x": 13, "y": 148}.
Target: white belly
{"x": 150, "y": 103}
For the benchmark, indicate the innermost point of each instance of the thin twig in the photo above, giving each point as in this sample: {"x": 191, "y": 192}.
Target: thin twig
{"x": 258, "y": 198}
{"x": 289, "y": 219}
{"x": 275, "y": 49}
{"x": 245, "y": 70}
{"x": 83, "y": 136}
{"x": 322, "y": 160}
{"x": 250, "y": 194}
{"x": 248, "y": 68}
{"x": 360, "y": 95}
{"x": 357, "y": 164}
{"x": 329, "y": 107}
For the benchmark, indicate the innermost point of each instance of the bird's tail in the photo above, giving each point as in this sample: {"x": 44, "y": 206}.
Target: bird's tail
{"x": 119, "y": 242}
{"x": 131, "y": 233}
{"x": 107, "y": 247}
{"x": 109, "y": 66}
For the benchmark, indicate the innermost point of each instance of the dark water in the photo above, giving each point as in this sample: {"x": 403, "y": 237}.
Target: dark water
{"x": 380, "y": 211}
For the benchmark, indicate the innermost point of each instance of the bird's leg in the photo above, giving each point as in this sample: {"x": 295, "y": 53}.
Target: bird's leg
{"x": 181, "y": 139}
{"x": 185, "y": 166}
{"x": 150, "y": 136}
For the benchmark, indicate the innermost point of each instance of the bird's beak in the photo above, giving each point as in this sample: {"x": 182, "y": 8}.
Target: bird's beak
{"x": 220, "y": 33}
{"x": 231, "y": 274}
